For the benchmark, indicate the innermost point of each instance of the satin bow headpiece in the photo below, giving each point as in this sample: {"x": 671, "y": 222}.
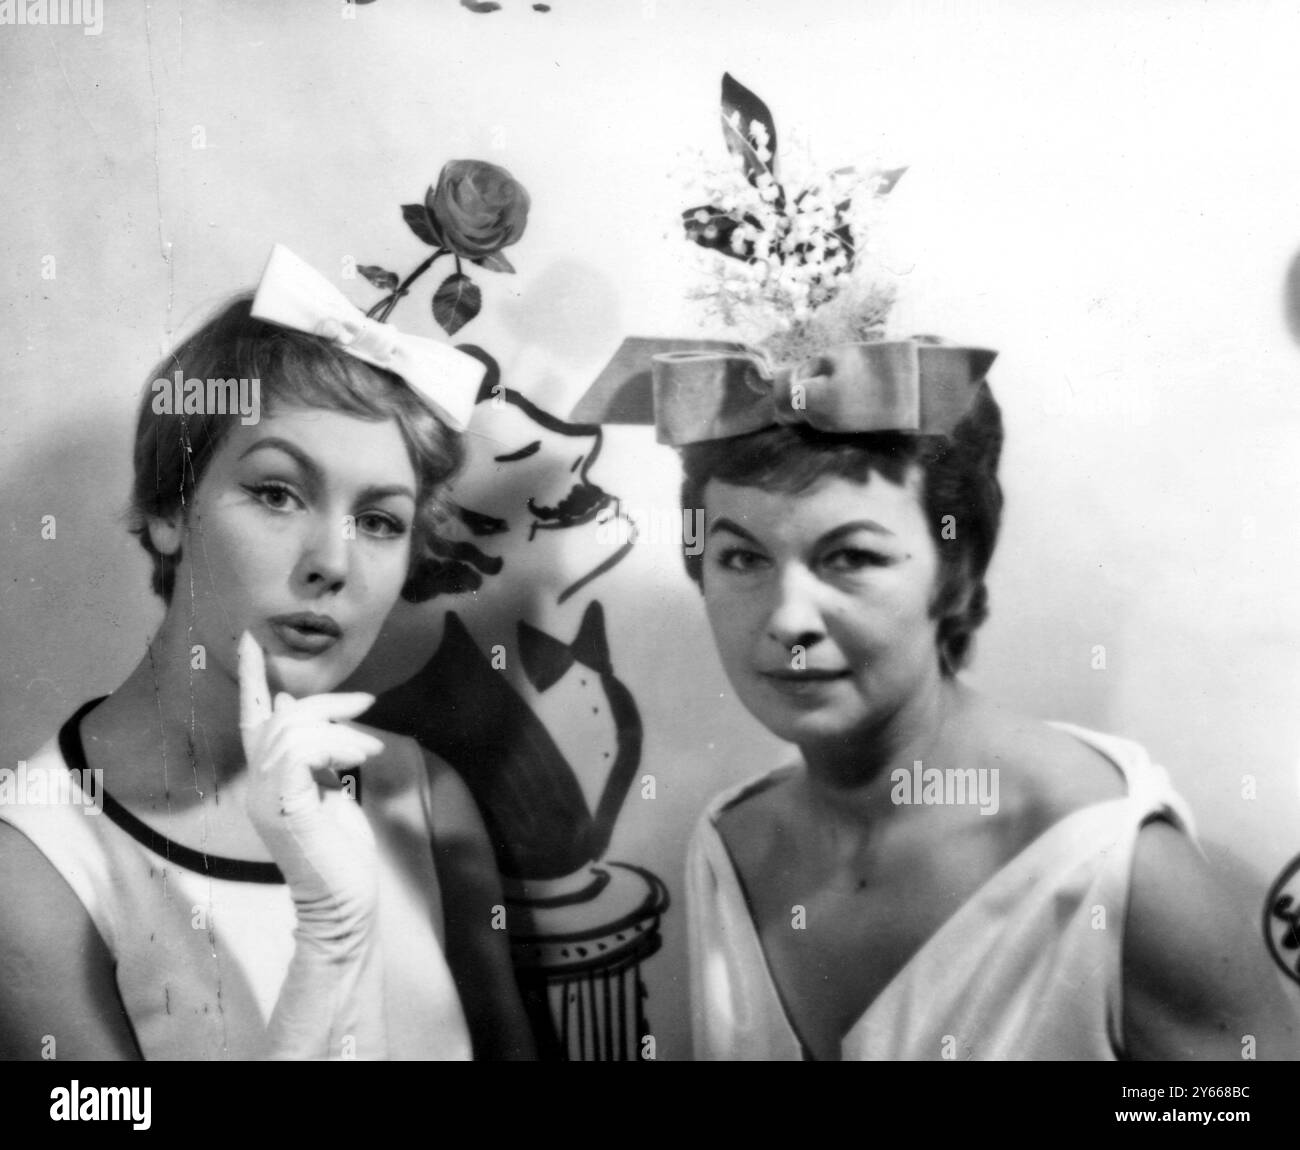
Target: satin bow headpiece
{"x": 695, "y": 390}
{"x": 294, "y": 294}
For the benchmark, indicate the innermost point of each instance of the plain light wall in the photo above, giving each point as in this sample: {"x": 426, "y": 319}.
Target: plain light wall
{"x": 1107, "y": 193}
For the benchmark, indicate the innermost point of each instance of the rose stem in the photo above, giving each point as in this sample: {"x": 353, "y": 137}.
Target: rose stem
{"x": 384, "y": 308}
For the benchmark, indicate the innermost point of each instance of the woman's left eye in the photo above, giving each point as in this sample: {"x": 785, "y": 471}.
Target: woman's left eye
{"x": 381, "y": 524}
{"x": 854, "y": 559}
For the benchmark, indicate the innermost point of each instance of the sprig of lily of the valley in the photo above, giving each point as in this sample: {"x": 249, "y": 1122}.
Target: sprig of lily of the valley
{"x": 474, "y": 211}
{"x": 801, "y": 241}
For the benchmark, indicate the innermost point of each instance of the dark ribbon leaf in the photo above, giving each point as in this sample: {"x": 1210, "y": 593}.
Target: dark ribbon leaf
{"x": 495, "y": 262}
{"x": 715, "y": 232}
{"x": 417, "y": 219}
{"x": 456, "y": 302}
{"x": 740, "y": 141}
{"x": 845, "y": 235}
{"x": 383, "y": 279}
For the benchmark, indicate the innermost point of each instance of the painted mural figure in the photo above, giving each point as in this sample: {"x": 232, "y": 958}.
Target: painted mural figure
{"x": 580, "y": 924}
{"x": 520, "y": 692}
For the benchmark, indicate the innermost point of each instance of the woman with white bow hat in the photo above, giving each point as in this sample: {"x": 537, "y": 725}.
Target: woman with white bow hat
{"x": 195, "y": 868}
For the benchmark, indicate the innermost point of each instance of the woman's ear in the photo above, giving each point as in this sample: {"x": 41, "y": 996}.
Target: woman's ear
{"x": 166, "y": 532}
{"x": 953, "y": 593}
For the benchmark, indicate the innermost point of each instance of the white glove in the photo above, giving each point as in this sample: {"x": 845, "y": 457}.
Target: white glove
{"x": 331, "y": 1002}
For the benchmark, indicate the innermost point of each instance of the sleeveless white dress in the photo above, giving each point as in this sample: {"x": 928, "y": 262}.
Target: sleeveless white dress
{"x": 1025, "y": 969}
{"x": 202, "y": 944}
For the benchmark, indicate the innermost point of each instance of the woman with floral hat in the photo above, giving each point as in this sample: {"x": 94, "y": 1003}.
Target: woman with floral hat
{"x": 931, "y": 875}
{"x": 934, "y": 876}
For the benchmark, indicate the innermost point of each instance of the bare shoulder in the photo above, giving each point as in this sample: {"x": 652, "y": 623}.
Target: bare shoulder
{"x": 455, "y": 811}
{"x": 755, "y": 821}
{"x": 478, "y": 949}
{"x": 403, "y": 763}
{"x": 1197, "y": 980}
{"x": 460, "y": 837}
{"x": 406, "y": 763}
{"x": 1045, "y": 772}
{"x": 59, "y": 986}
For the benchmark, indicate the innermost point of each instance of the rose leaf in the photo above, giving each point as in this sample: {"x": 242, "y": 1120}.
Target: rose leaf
{"x": 494, "y": 262}
{"x": 383, "y": 279}
{"x": 456, "y": 302}
{"x": 417, "y": 219}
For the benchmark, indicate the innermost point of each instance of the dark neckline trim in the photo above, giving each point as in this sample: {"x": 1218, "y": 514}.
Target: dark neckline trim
{"x": 214, "y": 866}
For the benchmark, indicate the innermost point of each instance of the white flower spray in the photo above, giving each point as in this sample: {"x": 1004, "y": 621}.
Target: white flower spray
{"x": 790, "y": 253}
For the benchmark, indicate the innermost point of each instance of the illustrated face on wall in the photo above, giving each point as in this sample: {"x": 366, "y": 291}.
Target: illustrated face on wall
{"x": 527, "y": 482}
{"x": 530, "y": 469}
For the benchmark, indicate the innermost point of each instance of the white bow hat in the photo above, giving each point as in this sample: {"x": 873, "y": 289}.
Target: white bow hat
{"x": 293, "y": 294}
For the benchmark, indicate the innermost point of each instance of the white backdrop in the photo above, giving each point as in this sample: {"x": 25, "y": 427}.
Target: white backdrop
{"x": 1106, "y": 193}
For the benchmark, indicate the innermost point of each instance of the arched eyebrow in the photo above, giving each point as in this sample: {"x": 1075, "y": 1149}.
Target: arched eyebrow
{"x": 725, "y": 524}
{"x": 315, "y": 477}
{"x": 386, "y": 491}
{"x": 857, "y": 525}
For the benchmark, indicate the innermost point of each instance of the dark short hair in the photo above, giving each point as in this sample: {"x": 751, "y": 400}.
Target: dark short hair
{"x": 958, "y": 476}
{"x": 295, "y": 369}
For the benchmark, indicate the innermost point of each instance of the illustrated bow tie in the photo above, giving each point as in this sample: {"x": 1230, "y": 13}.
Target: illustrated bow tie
{"x": 695, "y": 390}
{"x": 293, "y": 294}
{"x": 547, "y": 659}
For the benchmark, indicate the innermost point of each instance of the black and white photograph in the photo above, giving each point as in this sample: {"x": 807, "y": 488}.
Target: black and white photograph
{"x": 634, "y": 530}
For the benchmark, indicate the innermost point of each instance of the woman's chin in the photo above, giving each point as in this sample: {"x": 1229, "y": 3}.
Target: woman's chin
{"x": 301, "y": 677}
{"x": 808, "y": 730}
{"x": 801, "y": 723}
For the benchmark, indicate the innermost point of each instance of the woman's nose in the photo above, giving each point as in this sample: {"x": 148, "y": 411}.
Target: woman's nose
{"x": 326, "y": 552}
{"x": 796, "y": 618}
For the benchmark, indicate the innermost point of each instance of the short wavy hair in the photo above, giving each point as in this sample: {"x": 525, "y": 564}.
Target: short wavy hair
{"x": 959, "y": 479}
{"x": 295, "y": 369}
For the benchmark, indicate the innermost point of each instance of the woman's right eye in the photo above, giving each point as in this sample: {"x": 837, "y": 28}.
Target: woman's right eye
{"x": 276, "y": 496}
{"x": 740, "y": 559}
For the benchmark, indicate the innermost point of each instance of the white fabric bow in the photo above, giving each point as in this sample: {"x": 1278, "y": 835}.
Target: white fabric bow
{"x": 294, "y": 294}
